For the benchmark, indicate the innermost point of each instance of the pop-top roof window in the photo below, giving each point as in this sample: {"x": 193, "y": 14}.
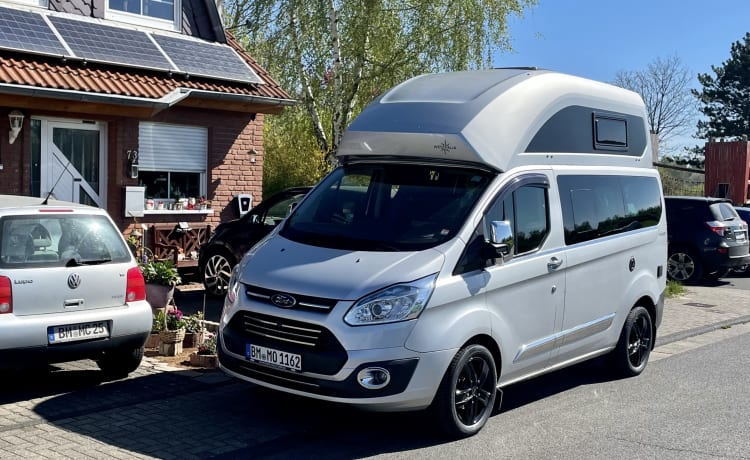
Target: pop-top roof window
{"x": 610, "y": 133}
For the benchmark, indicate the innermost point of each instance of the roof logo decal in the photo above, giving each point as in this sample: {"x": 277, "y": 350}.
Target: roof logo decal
{"x": 445, "y": 147}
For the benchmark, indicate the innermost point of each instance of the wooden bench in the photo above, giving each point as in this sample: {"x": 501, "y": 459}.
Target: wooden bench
{"x": 170, "y": 242}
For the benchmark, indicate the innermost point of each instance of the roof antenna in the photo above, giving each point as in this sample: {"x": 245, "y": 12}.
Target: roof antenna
{"x": 56, "y": 182}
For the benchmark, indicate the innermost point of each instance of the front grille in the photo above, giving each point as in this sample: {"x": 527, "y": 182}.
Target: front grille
{"x": 321, "y": 352}
{"x": 285, "y": 330}
{"x": 304, "y": 302}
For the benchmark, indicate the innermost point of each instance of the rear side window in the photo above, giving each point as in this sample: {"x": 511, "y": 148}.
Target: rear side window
{"x": 59, "y": 240}
{"x": 599, "y": 206}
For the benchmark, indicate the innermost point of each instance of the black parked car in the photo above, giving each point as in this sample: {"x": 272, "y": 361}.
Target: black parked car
{"x": 707, "y": 238}
{"x": 744, "y": 215}
{"x": 231, "y": 240}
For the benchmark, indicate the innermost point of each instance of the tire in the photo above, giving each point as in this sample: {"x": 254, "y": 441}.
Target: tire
{"x": 216, "y": 272}
{"x": 120, "y": 362}
{"x": 633, "y": 349}
{"x": 466, "y": 396}
{"x": 684, "y": 266}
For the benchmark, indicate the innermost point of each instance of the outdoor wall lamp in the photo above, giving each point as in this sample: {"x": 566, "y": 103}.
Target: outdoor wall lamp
{"x": 16, "y": 123}
{"x": 133, "y": 163}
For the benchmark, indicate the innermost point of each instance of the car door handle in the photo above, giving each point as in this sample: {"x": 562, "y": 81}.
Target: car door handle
{"x": 554, "y": 263}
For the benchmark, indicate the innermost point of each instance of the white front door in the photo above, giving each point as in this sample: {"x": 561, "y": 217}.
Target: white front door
{"x": 73, "y": 165}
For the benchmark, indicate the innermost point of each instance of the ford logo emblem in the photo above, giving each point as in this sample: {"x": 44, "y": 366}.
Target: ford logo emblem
{"x": 283, "y": 300}
{"x": 74, "y": 280}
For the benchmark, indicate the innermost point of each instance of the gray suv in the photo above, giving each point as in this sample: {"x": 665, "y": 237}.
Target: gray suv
{"x": 69, "y": 287}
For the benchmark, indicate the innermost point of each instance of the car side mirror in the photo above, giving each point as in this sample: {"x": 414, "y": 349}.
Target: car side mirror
{"x": 501, "y": 237}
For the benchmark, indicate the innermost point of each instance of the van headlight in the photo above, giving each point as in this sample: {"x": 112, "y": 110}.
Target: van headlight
{"x": 400, "y": 302}
{"x": 233, "y": 290}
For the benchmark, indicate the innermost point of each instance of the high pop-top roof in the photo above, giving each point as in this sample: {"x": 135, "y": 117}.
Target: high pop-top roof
{"x": 492, "y": 117}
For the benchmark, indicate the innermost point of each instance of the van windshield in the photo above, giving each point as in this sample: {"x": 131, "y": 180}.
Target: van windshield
{"x": 387, "y": 207}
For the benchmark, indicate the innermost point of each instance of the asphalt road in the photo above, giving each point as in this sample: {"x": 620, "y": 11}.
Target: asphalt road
{"x": 692, "y": 405}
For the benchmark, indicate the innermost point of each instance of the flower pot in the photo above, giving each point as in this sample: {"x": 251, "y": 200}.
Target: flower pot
{"x": 171, "y": 342}
{"x": 153, "y": 341}
{"x": 193, "y": 339}
{"x": 159, "y": 295}
{"x": 197, "y": 360}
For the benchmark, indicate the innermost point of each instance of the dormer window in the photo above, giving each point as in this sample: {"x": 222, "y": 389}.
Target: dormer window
{"x": 161, "y": 14}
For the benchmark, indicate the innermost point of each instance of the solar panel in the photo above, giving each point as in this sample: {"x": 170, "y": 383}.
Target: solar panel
{"x": 97, "y": 42}
{"x": 206, "y": 59}
{"x": 27, "y": 31}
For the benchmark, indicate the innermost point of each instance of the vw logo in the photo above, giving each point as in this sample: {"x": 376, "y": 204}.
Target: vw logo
{"x": 74, "y": 280}
{"x": 283, "y": 300}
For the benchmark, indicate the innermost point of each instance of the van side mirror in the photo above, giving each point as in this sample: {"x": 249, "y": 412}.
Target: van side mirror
{"x": 501, "y": 237}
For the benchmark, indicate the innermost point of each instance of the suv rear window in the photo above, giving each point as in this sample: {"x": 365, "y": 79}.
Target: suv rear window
{"x": 59, "y": 240}
{"x": 724, "y": 211}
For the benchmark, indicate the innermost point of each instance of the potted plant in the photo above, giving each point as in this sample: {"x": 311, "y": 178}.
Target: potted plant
{"x": 194, "y": 330}
{"x": 157, "y": 325}
{"x": 206, "y": 354}
{"x": 161, "y": 277}
{"x": 173, "y": 333}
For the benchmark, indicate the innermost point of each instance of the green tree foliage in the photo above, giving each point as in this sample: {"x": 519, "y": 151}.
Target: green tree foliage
{"x": 725, "y": 97}
{"x": 292, "y": 157}
{"x": 336, "y": 56}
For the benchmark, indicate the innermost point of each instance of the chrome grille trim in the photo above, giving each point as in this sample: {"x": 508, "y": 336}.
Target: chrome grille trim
{"x": 304, "y": 302}
{"x": 283, "y": 330}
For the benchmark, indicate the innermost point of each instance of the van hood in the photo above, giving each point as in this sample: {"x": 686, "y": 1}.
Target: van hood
{"x": 286, "y": 266}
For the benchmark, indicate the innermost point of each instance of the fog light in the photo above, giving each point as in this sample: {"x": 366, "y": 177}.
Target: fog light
{"x": 373, "y": 378}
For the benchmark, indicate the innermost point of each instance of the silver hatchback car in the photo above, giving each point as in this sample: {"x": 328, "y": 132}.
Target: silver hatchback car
{"x": 69, "y": 287}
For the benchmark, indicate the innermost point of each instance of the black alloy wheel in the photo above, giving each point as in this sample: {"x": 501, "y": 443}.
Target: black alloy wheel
{"x": 635, "y": 344}
{"x": 466, "y": 397}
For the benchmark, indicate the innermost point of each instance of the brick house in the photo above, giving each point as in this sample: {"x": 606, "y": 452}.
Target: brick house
{"x": 135, "y": 103}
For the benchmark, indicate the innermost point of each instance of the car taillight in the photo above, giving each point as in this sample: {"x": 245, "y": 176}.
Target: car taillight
{"x": 6, "y": 296}
{"x": 136, "y": 288}
{"x": 716, "y": 227}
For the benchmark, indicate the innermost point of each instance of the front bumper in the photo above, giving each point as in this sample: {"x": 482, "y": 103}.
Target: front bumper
{"x": 415, "y": 378}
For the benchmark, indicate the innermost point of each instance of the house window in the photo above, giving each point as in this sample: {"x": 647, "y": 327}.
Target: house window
{"x": 42, "y": 3}
{"x": 172, "y": 160}
{"x": 161, "y": 14}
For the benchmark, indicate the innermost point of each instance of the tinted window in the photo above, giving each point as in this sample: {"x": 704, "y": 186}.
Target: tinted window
{"x": 598, "y": 206}
{"x": 610, "y": 133}
{"x": 525, "y": 208}
{"x": 724, "y": 211}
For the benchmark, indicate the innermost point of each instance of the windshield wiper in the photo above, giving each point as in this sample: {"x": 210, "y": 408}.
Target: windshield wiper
{"x": 75, "y": 262}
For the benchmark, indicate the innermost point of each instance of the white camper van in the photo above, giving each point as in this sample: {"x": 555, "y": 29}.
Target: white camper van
{"x": 482, "y": 228}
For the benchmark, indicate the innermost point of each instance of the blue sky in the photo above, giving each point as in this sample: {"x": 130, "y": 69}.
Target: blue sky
{"x": 595, "y": 39}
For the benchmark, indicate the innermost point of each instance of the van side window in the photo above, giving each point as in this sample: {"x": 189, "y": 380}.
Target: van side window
{"x": 526, "y": 208}
{"x": 598, "y": 206}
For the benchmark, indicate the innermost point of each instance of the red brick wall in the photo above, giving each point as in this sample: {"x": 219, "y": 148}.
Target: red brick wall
{"x": 15, "y": 177}
{"x": 728, "y": 162}
{"x": 230, "y": 171}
